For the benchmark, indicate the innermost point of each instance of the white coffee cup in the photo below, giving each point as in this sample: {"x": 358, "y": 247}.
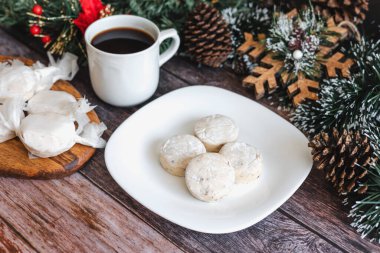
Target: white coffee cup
{"x": 127, "y": 79}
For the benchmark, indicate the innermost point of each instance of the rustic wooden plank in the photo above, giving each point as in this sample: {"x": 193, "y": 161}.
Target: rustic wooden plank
{"x": 10, "y": 241}
{"x": 316, "y": 197}
{"x": 317, "y": 205}
{"x": 220, "y": 77}
{"x": 194, "y": 241}
{"x": 138, "y": 236}
{"x": 184, "y": 238}
{"x": 276, "y": 233}
{"x": 71, "y": 215}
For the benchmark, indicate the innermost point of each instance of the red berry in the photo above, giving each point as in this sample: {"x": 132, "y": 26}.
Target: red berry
{"x": 35, "y": 30}
{"x": 37, "y": 9}
{"x": 46, "y": 39}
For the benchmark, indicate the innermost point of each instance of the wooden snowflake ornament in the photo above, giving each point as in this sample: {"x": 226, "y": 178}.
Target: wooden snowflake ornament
{"x": 294, "y": 60}
{"x": 263, "y": 79}
{"x": 337, "y": 63}
{"x": 254, "y": 48}
{"x": 303, "y": 89}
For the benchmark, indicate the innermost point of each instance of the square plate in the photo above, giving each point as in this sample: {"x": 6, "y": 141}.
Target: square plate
{"x": 132, "y": 158}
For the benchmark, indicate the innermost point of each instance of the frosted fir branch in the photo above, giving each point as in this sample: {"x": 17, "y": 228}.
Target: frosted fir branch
{"x": 366, "y": 52}
{"x": 373, "y": 133}
{"x": 303, "y": 33}
{"x": 351, "y": 104}
{"x": 306, "y": 118}
{"x": 247, "y": 61}
{"x": 230, "y": 14}
{"x": 311, "y": 23}
{"x": 249, "y": 18}
{"x": 233, "y": 15}
{"x": 339, "y": 106}
{"x": 366, "y": 212}
{"x": 282, "y": 28}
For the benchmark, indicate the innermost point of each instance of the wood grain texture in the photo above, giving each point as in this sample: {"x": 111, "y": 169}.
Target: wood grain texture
{"x": 47, "y": 242}
{"x": 14, "y": 159}
{"x": 186, "y": 239}
{"x": 314, "y": 215}
{"x": 72, "y": 215}
{"x": 250, "y": 239}
{"x": 11, "y": 242}
{"x": 276, "y": 233}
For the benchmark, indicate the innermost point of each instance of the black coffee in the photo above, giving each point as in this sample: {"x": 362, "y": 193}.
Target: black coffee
{"x": 122, "y": 41}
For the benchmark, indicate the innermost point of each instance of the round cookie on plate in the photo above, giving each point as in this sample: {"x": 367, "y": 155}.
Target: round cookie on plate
{"x": 209, "y": 177}
{"x": 245, "y": 159}
{"x": 216, "y": 130}
{"x": 177, "y": 151}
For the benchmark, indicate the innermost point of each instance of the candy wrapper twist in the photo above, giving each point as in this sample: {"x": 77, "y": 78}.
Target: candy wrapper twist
{"x": 55, "y": 120}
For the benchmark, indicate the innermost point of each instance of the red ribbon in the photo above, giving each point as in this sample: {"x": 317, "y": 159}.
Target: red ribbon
{"x": 89, "y": 14}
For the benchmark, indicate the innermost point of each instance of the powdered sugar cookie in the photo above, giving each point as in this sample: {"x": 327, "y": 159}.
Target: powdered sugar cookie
{"x": 209, "y": 177}
{"x": 245, "y": 159}
{"x": 216, "y": 130}
{"x": 177, "y": 152}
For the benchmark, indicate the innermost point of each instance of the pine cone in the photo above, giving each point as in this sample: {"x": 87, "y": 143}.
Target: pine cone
{"x": 349, "y": 10}
{"x": 344, "y": 157}
{"x": 207, "y": 37}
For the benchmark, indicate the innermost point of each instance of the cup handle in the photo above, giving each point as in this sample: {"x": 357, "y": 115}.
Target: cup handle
{"x": 169, "y": 53}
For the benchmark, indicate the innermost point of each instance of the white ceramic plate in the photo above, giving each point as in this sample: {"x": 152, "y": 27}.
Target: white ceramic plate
{"x": 132, "y": 158}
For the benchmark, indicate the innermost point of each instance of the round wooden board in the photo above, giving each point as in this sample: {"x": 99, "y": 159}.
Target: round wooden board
{"x": 14, "y": 159}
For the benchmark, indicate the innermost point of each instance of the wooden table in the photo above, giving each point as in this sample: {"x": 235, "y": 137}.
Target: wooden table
{"x": 89, "y": 212}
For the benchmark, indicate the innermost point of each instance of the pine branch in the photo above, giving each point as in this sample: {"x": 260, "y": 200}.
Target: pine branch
{"x": 366, "y": 212}
{"x": 165, "y": 13}
{"x": 245, "y": 17}
{"x": 14, "y": 12}
{"x": 346, "y": 104}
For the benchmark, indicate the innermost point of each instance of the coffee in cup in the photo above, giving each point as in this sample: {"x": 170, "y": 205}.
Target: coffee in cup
{"x": 124, "y": 57}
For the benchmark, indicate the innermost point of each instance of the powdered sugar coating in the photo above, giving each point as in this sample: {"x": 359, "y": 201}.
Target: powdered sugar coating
{"x": 47, "y": 135}
{"x": 45, "y": 101}
{"x": 209, "y": 177}
{"x": 216, "y": 130}
{"x": 177, "y": 151}
{"x": 245, "y": 159}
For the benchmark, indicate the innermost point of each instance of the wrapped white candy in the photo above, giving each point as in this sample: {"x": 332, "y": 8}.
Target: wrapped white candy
{"x": 11, "y": 114}
{"x": 51, "y": 101}
{"x": 63, "y": 103}
{"x": 19, "y": 80}
{"x": 50, "y": 134}
{"x": 49, "y": 129}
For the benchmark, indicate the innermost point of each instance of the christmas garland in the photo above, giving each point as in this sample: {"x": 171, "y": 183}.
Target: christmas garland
{"x": 345, "y": 107}
{"x": 340, "y": 86}
{"x": 347, "y": 103}
{"x": 60, "y": 25}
